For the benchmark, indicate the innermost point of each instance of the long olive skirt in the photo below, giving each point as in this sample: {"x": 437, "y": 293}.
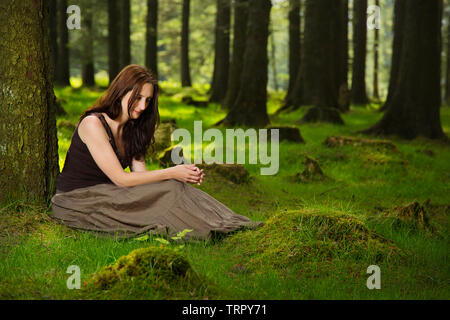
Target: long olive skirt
{"x": 164, "y": 208}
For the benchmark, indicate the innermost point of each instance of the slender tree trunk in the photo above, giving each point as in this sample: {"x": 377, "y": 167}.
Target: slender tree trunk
{"x": 447, "y": 73}
{"x": 113, "y": 39}
{"x": 222, "y": 52}
{"x": 342, "y": 55}
{"x": 399, "y": 18}
{"x": 87, "y": 71}
{"x": 414, "y": 108}
{"x": 273, "y": 62}
{"x": 376, "y": 94}
{"x": 28, "y": 141}
{"x": 250, "y": 107}
{"x": 185, "y": 70}
{"x": 151, "y": 49}
{"x": 62, "y": 72}
{"x": 53, "y": 29}
{"x": 359, "y": 94}
{"x": 125, "y": 54}
{"x": 294, "y": 43}
{"x": 237, "y": 61}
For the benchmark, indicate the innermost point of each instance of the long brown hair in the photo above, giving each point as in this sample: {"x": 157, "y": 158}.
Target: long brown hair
{"x": 138, "y": 134}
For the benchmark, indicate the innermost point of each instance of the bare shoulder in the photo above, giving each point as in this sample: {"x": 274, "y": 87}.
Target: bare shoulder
{"x": 90, "y": 126}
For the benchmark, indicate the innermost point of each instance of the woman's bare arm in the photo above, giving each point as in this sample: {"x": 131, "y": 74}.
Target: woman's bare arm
{"x": 93, "y": 134}
{"x": 138, "y": 165}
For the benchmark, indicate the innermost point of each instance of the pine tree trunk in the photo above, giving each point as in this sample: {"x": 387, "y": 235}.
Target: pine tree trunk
{"x": 342, "y": 54}
{"x": 359, "y": 94}
{"x": 294, "y": 43}
{"x": 53, "y": 29}
{"x": 222, "y": 52}
{"x": 319, "y": 69}
{"x": 87, "y": 71}
{"x": 447, "y": 73}
{"x": 250, "y": 107}
{"x": 237, "y": 61}
{"x": 399, "y": 18}
{"x": 376, "y": 94}
{"x": 28, "y": 141}
{"x": 113, "y": 39}
{"x": 62, "y": 72}
{"x": 125, "y": 54}
{"x": 151, "y": 50}
{"x": 273, "y": 60}
{"x": 414, "y": 107}
{"x": 185, "y": 70}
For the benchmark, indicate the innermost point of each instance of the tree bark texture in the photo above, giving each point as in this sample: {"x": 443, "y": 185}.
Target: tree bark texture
{"x": 28, "y": 142}
{"x": 222, "y": 52}
{"x": 237, "y": 61}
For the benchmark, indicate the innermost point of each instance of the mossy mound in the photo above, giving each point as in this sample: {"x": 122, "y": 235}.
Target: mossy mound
{"x": 302, "y": 236}
{"x": 288, "y": 133}
{"x": 371, "y": 152}
{"x": 338, "y": 141}
{"x": 163, "y": 139}
{"x": 412, "y": 216}
{"x": 157, "y": 272}
{"x": 312, "y": 172}
{"x": 235, "y": 173}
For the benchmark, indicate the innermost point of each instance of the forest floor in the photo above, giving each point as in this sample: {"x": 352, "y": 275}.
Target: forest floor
{"x": 375, "y": 205}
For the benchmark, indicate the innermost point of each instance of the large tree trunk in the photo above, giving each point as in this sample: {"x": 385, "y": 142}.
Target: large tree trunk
{"x": 237, "y": 61}
{"x": 318, "y": 70}
{"x": 185, "y": 70}
{"x": 250, "y": 107}
{"x": 62, "y": 72}
{"x": 359, "y": 94}
{"x": 222, "y": 52}
{"x": 399, "y": 18}
{"x": 53, "y": 29}
{"x": 87, "y": 70}
{"x": 125, "y": 54}
{"x": 414, "y": 108}
{"x": 28, "y": 141}
{"x": 113, "y": 39}
{"x": 151, "y": 49}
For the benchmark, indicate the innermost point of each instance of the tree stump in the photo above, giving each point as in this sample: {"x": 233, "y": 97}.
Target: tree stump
{"x": 235, "y": 173}
{"x": 312, "y": 172}
{"x": 289, "y": 133}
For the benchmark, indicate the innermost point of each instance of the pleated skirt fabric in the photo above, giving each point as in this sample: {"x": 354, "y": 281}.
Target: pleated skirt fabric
{"x": 163, "y": 208}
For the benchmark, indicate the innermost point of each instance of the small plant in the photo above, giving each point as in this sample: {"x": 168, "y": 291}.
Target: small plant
{"x": 180, "y": 235}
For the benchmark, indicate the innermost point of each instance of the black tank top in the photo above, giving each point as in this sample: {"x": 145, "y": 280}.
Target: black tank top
{"x": 80, "y": 169}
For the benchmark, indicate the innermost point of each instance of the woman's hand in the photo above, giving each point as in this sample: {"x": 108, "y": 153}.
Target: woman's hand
{"x": 188, "y": 173}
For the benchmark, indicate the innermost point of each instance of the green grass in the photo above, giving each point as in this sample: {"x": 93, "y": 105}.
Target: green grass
{"x": 301, "y": 253}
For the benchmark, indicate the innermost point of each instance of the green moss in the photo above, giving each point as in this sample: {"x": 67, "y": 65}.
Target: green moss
{"x": 411, "y": 217}
{"x": 235, "y": 173}
{"x": 157, "y": 272}
{"x": 292, "y": 237}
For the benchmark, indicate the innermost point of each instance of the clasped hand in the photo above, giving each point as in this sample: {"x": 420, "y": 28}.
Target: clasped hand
{"x": 187, "y": 173}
